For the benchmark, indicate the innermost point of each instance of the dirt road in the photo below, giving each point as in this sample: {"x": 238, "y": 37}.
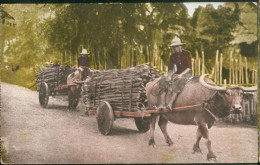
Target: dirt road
{"x": 32, "y": 134}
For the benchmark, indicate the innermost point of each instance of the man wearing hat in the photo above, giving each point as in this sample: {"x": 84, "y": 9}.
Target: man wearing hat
{"x": 83, "y": 63}
{"x": 83, "y": 59}
{"x": 180, "y": 60}
{"x": 79, "y": 75}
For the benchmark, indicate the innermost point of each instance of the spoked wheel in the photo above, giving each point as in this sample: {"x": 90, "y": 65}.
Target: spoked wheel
{"x": 44, "y": 94}
{"x": 142, "y": 124}
{"x": 105, "y": 117}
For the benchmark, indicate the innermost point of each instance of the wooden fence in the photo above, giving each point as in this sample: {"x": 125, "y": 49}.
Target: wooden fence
{"x": 240, "y": 73}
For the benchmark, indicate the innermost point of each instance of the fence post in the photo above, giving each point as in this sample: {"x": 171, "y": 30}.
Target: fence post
{"x": 236, "y": 71}
{"x": 233, "y": 72}
{"x": 105, "y": 58}
{"x": 240, "y": 70}
{"x": 220, "y": 68}
{"x": 216, "y": 68}
{"x": 256, "y": 73}
{"x": 253, "y": 75}
{"x": 192, "y": 66}
{"x": 203, "y": 63}
{"x": 230, "y": 67}
{"x": 198, "y": 67}
{"x": 246, "y": 70}
{"x": 197, "y": 63}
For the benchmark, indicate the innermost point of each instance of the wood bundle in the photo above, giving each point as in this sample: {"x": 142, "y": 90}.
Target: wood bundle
{"x": 124, "y": 89}
{"x": 54, "y": 75}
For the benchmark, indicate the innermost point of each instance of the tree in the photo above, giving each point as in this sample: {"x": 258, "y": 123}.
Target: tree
{"x": 214, "y": 27}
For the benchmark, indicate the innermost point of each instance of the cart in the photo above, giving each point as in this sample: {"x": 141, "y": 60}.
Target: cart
{"x": 52, "y": 81}
{"x": 120, "y": 93}
{"x": 105, "y": 116}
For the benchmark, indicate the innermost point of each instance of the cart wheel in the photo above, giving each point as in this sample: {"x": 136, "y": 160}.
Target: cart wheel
{"x": 143, "y": 125}
{"x": 44, "y": 94}
{"x": 105, "y": 117}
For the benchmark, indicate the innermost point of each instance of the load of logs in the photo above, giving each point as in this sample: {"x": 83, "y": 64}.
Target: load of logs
{"x": 54, "y": 75}
{"x": 124, "y": 89}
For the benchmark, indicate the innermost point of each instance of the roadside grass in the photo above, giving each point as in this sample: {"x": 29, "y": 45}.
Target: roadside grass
{"x": 24, "y": 77}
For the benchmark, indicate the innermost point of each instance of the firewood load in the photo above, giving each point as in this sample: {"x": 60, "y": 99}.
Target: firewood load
{"x": 54, "y": 75}
{"x": 124, "y": 89}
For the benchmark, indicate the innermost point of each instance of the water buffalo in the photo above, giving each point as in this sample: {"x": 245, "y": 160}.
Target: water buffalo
{"x": 74, "y": 85}
{"x": 215, "y": 101}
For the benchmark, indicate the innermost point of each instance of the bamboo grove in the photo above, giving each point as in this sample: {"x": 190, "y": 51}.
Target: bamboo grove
{"x": 123, "y": 35}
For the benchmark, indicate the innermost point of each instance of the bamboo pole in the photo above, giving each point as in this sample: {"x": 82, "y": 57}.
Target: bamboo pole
{"x": 233, "y": 73}
{"x": 236, "y": 71}
{"x": 220, "y": 68}
{"x": 155, "y": 54}
{"x": 161, "y": 65}
{"x": 147, "y": 54}
{"x": 198, "y": 67}
{"x": 196, "y": 63}
{"x": 217, "y": 72}
{"x": 246, "y": 70}
{"x": 230, "y": 67}
{"x": 240, "y": 70}
{"x": 256, "y": 73}
{"x": 216, "y": 68}
{"x": 192, "y": 66}
{"x": 203, "y": 63}
{"x": 105, "y": 58}
{"x": 253, "y": 74}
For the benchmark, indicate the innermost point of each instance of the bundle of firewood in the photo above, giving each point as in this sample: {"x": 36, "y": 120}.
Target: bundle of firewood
{"x": 54, "y": 75}
{"x": 124, "y": 89}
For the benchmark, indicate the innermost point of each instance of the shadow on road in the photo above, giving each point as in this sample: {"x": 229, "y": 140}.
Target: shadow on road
{"x": 122, "y": 131}
{"x": 222, "y": 124}
{"x": 58, "y": 107}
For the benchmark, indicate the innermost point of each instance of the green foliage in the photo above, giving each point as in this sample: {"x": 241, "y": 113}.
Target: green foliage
{"x": 112, "y": 33}
{"x": 23, "y": 77}
{"x": 213, "y": 28}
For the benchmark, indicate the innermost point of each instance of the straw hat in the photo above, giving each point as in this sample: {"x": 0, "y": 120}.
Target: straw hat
{"x": 84, "y": 51}
{"x": 176, "y": 41}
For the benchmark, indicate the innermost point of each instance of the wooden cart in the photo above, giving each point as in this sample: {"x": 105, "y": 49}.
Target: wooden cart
{"x": 52, "y": 81}
{"x": 105, "y": 116}
{"x": 119, "y": 93}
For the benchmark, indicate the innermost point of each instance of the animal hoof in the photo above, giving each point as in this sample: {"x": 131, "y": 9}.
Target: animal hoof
{"x": 213, "y": 160}
{"x": 169, "y": 142}
{"x": 169, "y": 107}
{"x": 152, "y": 143}
{"x": 196, "y": 149}
{"x": 211, "y": 157}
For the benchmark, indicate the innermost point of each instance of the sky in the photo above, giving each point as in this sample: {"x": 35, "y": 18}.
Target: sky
{"x": 193, "y": 5}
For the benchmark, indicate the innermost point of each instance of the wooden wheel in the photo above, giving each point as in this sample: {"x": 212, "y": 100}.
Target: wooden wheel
{"x": 44, "y": 94}
{"x": 142, "y": 124}
{"x": 105, "y": 117}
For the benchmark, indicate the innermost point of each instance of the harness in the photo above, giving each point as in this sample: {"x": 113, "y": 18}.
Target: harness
{"x": 206, "y": 107}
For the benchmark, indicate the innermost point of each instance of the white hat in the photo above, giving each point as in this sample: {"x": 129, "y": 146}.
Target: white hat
{"x": 84, "y": 51}
{"x": 176, "y": 41}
